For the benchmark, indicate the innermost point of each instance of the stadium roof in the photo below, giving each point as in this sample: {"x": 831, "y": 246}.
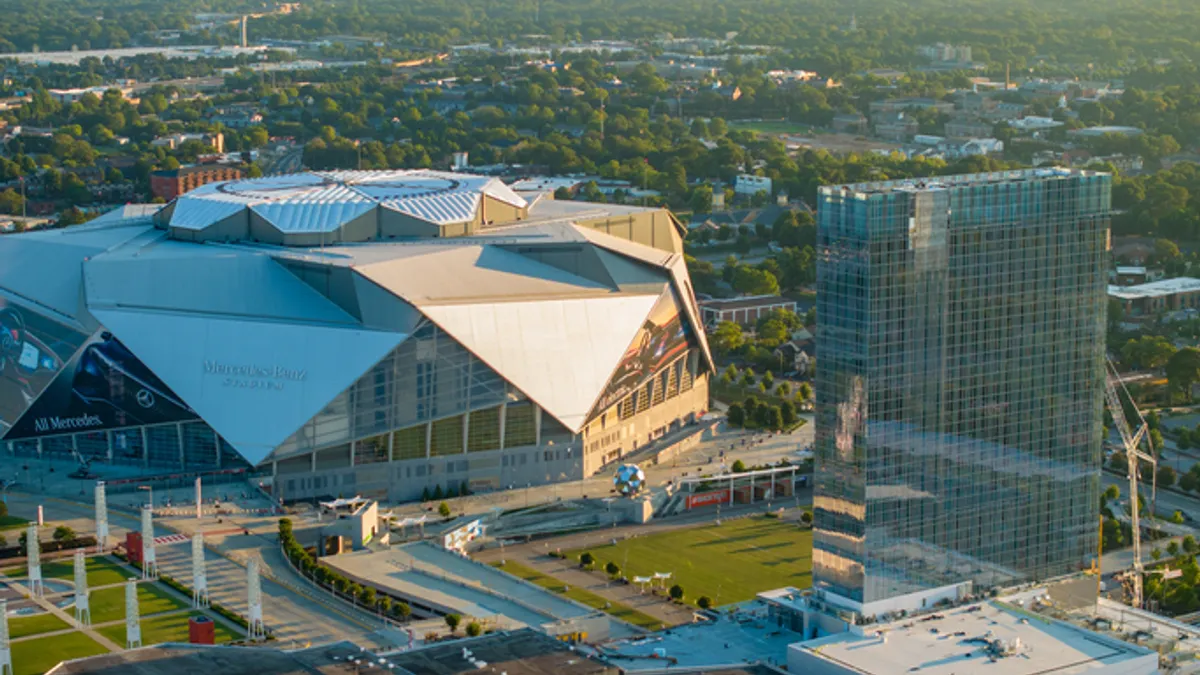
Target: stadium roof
{"x": 322, "y": 202}
{"x": 547, "y": 302}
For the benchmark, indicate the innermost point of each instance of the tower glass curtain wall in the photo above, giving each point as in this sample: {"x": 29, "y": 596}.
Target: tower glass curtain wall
{"x": 959, "y": 386}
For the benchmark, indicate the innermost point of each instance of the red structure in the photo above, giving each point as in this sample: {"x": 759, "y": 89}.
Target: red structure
{"x": 133, "y": 547}
{"x": 170, "y": 183}
{"x": 201, "y": 631}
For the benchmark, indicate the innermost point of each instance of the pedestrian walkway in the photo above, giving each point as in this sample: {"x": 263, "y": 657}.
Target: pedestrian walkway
{"x": 53, "y": 609}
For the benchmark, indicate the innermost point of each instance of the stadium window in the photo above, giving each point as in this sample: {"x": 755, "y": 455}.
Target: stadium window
{"x": 483, "y": 430}
{"x": 518, "y": 425}
{"x": 447, "y": 436}
{"x": 409, "y": 443}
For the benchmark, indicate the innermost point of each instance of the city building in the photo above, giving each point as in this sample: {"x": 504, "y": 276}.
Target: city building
{"x": 69, "y": 96}
{"x": 1165, "y": 295}
{"x": 746, "y": 184}
{"x": 375, "y": 333}
{"x": 214, "y": 140}
{"x": 958, "y": 398}
{"x": 995, "y": 636}
{"x": 520, "y": 652}
{"x": 850, "y": 123}
{"x": 945, "y": 53}
{"x": 1096, "y": 132}
{"x": 170, "y": 183}
{"x": 1133, "y": 275}
{"x": 745, "y": 311}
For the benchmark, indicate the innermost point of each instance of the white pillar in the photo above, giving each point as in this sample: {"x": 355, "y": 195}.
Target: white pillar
{"x": 133, "y": 622}
{"x": 199, "y": 500}
{"x": 41, "y": 519}
{"x": 33, "y": 560}
{"x": 101, "y": 517}
{"x": 199, "y": 576}
{"x": 254, "y": 621}
{"x": 82, "y": 613}
{"x": 5, "y": 646}
{"x": 149, "y": 562}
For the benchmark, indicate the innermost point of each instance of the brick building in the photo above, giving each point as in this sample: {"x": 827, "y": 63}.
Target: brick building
{"x": 170, "y": 183}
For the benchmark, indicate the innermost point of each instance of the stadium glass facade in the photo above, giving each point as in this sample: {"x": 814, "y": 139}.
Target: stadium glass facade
{"x": 959, "y": 392}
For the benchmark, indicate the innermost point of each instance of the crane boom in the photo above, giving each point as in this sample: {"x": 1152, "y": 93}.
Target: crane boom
{"x": 1132, "y": 441}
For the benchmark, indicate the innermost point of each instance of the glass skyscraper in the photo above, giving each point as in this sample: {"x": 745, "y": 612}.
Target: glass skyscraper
{"x": 959, "y": 384}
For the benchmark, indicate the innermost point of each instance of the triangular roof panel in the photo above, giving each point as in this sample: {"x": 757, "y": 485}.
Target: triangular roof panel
{"x": 309, "y": 216}
{"x": 560, "y": 353}
{"x": 254, "y": 382}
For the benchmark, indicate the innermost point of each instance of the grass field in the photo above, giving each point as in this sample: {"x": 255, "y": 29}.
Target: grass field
{"x": 102, "y": 571}
{"x": 730, "y": 562}
{"x": 36, "y": 656}
{"x": 34, "y": 625}
{"x": 12, "y": 522}
{"x": 583, "y": 596}
{"x": 163, "y": 628}
{"x": 108, "y": 604}
{"x": 772, "y": 127}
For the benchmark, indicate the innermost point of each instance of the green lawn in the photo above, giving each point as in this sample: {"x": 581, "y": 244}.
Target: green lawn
{"x": 163, "y": 628}
{"x": 102, "y": 571}
{"x": 12, "y": 522}
{"x": 35, "y": 625}
{"x": 108, "y": 604}
{"x": 772, "y": 127}
{"x": 736, "y": 559}
{"x": 36, "y": 656}
{"x": 583, "y": 596}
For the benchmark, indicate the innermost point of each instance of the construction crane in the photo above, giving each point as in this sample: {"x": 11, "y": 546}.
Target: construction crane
{"x": 1132, "y": 440}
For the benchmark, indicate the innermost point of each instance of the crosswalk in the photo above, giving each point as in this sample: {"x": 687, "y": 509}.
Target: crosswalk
{"x": 171, "y": 539}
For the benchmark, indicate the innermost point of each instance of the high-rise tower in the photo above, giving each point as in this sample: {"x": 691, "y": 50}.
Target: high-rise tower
{"x": 960, "y": 381}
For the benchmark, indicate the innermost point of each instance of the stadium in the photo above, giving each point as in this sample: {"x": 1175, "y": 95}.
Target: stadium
{"x": 379, "y": 333}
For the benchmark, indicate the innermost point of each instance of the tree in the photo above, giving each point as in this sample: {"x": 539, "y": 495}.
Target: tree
{"x": 738, "y": 467}
{"x": 806, "y": 518}
{"x": 612, "y": 568}
{"x": 474, "y": 629}
{"x": 62, "y": 533}
{"x": 727, "y": 338}
{"x": 1156, "y": 553}
{"x": 452, "y": 621}
{"x": 367, "y": 596}
{"x": 401, "y": 610}
{"x": 1166, "y": 475}
{"x": 1189, "y": 545}
{"x": 736, "y": 415}
{"x": 774, "y": 419}
{"x": 1112, "y": 492}
{"x": 1177, "y": 517}
{"x": 676, "y": 593}
{"x": 753, "y": 281}
{"x": 444, "y": 510}
{"x": 1188, "y": 482}
{"x": 1183, "y": 370}
{"x": 769, "y": 379}
{"x": 704, "y": 602}
{"x": 805, "y": 391}
{"x": 3, "y": 510}
{"x": 1165, "y": 251}
{"x": 701, "y": 199}
{"x": 11, "y": 202}
{"x": 586, "y": 559}
{"x": 437, "y": 492}
{"x": 788, "y": 411}
{"x": 425, "y": 493}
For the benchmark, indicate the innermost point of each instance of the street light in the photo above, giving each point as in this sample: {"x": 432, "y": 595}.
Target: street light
{"x": 149, "y": 488}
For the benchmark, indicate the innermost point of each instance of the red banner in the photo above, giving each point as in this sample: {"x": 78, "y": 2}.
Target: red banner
{"x": 708, "y": 498}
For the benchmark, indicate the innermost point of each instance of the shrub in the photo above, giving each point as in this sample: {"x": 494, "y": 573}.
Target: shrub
{"x": 586, "y": 559}
{"x": 613, "y": 569}
{"x": 452, "y": 621}
{"x": 474, "y": 629}
{"x": 704, "y": 602}
{"x": 738, "y": 467}
{"x": 444, "y": 510}
{"x": 806, "y": 518}
{"x": 676, "y": 593}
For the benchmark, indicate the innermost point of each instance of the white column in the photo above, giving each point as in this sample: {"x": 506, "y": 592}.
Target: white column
{"x": 101, "y": 517}
{"x": 254, "y": 621}
{"x": 33, "y": 560}
{"x": 199, "y": 576}
{"x": 5, "y": 646}
{"x": 199, "y": 500}
{"x": 82, "y": 613}
{"x": 149, "y": 562}
{"x": 133, "y": 622}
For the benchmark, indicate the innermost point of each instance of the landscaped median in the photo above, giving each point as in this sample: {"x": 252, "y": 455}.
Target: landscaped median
{"x": 582, "y": 596}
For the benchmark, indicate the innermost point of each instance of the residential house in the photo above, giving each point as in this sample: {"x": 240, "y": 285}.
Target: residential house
{"x": 745, "y": 311}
